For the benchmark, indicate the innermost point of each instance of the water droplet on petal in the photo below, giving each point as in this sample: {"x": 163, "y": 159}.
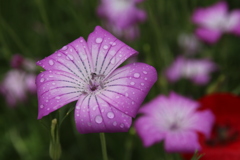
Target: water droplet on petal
{"x": 59, "y": 55}
{"x": 132, "y": 83}
{"x": 99, "y": 40}
{"x": 113, "y": 60}
{"x": 105, "y": 47}
{"x": 42, "y": 80}
{"x": 64, "y": 47}
{"x": 145, "y": 72}
{"x": 110, "y": 115}
{"x": 142, "y": 84}
{"x": 136, "y": 75}
{"x": 84, "y": 56}
{"x": 41, "y": 106}
{"x": 112, "y": 52}
{"x": 145, "y": 78}
{"x": 126, "y": 94}
{"x": 114, "y": 123}
{"x": 98, "y": 119}
{"x": 121, "y": 125}
{"x": 70, "y": 56}
{"x": 58, "y": 97}
{"x": 50, "y": 76}
{"x": 114, "y": 43}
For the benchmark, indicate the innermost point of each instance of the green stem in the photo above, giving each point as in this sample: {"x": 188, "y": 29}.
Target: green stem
{"x": 104, "y": 147}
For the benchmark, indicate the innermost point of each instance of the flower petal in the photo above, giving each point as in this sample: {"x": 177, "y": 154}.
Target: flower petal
{"x": 234, "y": 22}
{"x": 202, "y": 122}
{"x": 107, "y": 51}
{"x": 148, "y": 131}
{"x": 182, "y": 141}
{"x": 56, "y": 89}
{"x": 173, "y": 73}
{"x": 73, "y": 58}
{"x": 210, "y": 17}
{"x": 209, "y": 36}
{"x": 92, "y": 114}
{"x": 127, "y": 87}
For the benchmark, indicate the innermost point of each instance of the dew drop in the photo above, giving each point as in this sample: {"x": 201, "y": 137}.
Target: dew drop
{"x": 132, "y": 83}
{"x": 70, "y": 56}
{"x": 53, "y": 83}
{"x": 99, "y": 40}
{"x": 126, "y": 94}
{"x": 51, "y": 62}
{"x": 41, "y": 106}
{"x": 50, "y": 76}
{"x": 98, "y": 119}
{"x": 145, "y": 78}
{"x": 110, "y": 115}
{"x": 59, "y": 55}
{"x": 114, "y": 123}
{"x": 64, "y": 47}
{"x": 105, "y": 47}
{"x": 114, "y": 43}
{"x": 133, "y": 103}
{"x": 142, "y": 84}
{"x": 58, "y": 97}
{"x": 42, "y": 80}
{"x": 136, "y": 75}
{"x": 113, "y": 60}
{"x": 84, "y": 56}
{"x": 145, "y": 72}
{"x": 112, "y": 52}
{"x": 121, "y": 125}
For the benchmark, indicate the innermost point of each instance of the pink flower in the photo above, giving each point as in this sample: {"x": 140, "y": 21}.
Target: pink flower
{"x": 15, "y": 86}
{"x": 23, "y": 63}
{"x": 106, "y": 97}
{"x": 215, "y": 20}
{"x": 175, "y": 120}
{"x": 122, "y": 17}
{"x": 197, "y": 70}
{"x": 189, "y": 43}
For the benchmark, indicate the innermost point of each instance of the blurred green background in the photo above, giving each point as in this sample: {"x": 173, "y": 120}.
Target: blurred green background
{"x": 36, "y": 28}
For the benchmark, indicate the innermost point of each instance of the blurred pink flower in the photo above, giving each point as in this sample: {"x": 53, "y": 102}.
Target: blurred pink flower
{"x": 197, "y": 70}
{"x": 21, "y": 62}
{"x": 175, "y": 120}
{"x": 215, "y": 20}
{"x": 15, "y": 86}
{"x": 122, "y": 17}
{"x": 189, "y": 43}
{"x": 107, "y": 97}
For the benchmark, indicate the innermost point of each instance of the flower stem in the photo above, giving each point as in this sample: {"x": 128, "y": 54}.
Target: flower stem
{"x": 104, "y": 148}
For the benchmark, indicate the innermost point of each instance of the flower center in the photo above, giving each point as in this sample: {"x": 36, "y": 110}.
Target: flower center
{"x": 222, "y": 135}
{"x": 95, "y": 83}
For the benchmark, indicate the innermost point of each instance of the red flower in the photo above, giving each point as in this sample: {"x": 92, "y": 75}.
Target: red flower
{"x": 224, "y": 143}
